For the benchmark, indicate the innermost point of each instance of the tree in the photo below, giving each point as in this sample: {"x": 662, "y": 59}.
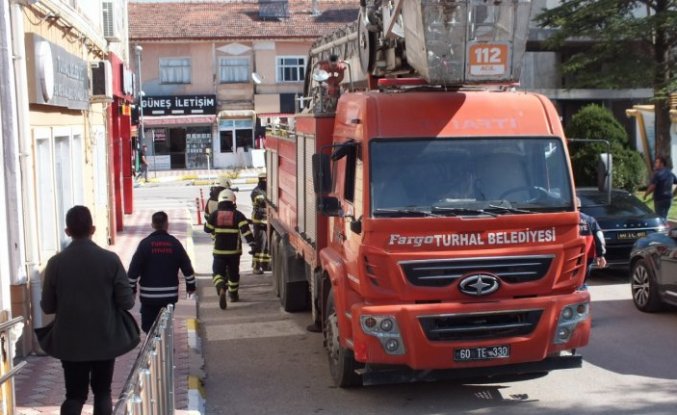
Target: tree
{"x": 596, "y": 122}
{"x": 620, "y": 44}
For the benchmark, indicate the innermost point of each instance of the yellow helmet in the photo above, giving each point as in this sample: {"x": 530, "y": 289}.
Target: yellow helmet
{"x": 227, "y": 195}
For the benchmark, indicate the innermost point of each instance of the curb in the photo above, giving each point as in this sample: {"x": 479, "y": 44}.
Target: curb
{"x": 196, "y": 392}
{"x": 196, "y": 375}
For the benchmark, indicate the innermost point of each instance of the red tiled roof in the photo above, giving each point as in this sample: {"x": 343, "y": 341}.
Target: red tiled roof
{"x": 235, "y": 19}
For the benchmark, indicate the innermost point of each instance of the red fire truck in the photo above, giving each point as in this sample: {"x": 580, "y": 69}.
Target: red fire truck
{"x": 422, "y": 208}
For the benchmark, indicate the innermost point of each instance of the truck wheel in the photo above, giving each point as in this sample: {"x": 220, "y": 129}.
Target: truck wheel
{"x": 294, "y": 295}
{"x": 342, "y": 364}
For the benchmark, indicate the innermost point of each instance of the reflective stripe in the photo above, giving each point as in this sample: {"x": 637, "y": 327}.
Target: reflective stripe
{"x": 217, "y": 279}
{"x": 246, "y": 233}
{"x": 243, "y": 223}
{"x": 190, "y": 279}
{"x": 169, "y": 295}
{"x": 144, "y": 288}
{"x": 221, "y": 252}
{"x": 226, "y": 230}
{"x": 259, "y": 222}
{"x": 208, "y": 225}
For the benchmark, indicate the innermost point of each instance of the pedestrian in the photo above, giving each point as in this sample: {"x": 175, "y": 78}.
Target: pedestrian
{"x": 86, "y": 287}
{"x": 213, "y": 201}
{"x": 155, "y": 267}
{"x": 143, "y": 164}
{"x": 595, "y": 244}
{"x": 661, "y": 187}
{"x": 227, "y": 224}
{"x": 261, "y": 258}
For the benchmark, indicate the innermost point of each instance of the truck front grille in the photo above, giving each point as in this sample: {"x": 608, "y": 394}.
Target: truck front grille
{"x": 460, "y": 327}
{"x": 443, "y": 272}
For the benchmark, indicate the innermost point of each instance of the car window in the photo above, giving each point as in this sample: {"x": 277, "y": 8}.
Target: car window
{"x": 622, "y": 204}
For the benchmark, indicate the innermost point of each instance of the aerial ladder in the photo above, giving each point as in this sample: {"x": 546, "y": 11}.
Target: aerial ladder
{"x": 445, "y": 44}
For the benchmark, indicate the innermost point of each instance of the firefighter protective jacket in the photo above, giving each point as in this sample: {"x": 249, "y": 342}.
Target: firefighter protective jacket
{"x": 155, "y": 266}
{"x": 227, "y": 224}
{"x": 258, "y": 196}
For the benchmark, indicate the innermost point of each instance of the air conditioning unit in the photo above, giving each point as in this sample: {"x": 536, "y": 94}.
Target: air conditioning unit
{"x": 111, "y": 26}
{"x": 102, "y": 81}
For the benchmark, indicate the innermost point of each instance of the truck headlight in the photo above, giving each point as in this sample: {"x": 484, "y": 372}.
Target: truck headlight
{"x": 569, "y": 318}
{"x": 385, "y": 329}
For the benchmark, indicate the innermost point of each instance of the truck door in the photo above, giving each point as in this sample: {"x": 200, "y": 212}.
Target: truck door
{"x": 347, "y": 230}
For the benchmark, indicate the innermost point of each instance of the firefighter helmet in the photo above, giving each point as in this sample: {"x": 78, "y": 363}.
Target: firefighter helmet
{"x": 262, "y": 175}
{"x": 227, "y": 195}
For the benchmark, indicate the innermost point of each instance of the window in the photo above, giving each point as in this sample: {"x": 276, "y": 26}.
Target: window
{"x": 235, "y": 134}
{"x": 226, "y": 141}
{"x": 175, "y": 70}
{"x": 233, "y": 70}
{"x": 291, "y": 68}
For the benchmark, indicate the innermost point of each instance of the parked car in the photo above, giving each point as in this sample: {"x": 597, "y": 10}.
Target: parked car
{"x": 653, "y": 271}
{"x": 623, "y": 221}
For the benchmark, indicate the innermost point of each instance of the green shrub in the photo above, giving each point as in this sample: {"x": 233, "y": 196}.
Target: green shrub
{"x": 596, "y": 122}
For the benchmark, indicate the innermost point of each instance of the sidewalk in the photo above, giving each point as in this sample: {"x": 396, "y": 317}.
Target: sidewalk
{"x": 204, "y": 177}
{"x": 39, "y": 385}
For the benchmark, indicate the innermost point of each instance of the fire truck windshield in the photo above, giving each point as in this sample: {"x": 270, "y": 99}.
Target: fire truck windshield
{"x": 469, "y": 176}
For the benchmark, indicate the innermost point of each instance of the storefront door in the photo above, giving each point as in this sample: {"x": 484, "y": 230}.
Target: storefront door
{"x": 177, "y": 148}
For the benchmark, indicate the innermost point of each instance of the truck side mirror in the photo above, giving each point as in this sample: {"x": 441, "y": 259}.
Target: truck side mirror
{"x": 328, "y": 205}
{"x": 604, "y": 169}
{"x": 321, "y": 173}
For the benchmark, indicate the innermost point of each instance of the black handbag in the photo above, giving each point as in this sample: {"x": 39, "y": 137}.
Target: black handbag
{"x": 44, "y": 335}
{"x": 127, "y": 331}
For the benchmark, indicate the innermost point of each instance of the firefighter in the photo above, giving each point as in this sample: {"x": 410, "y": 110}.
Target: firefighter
{"x": 227, "y": 224}
{"x": 214, "y": 191}
{"x": 261, "y": 259}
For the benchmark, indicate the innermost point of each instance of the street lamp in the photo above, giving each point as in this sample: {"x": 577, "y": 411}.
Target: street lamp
{"x": 139, "y": 93}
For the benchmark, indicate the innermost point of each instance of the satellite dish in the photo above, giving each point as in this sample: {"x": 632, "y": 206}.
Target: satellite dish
{"x": 320, "y": 75}
{"x": 256, "y": 78}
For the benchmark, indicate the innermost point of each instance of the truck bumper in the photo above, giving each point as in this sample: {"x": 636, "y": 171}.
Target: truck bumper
{"x": 470, "y": 330}
{"x": 379, "y": 375}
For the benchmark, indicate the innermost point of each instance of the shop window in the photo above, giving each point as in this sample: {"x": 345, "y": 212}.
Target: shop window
{"x": 158, "y": 137}
{"x": 290, "y": 68}
{"x": 244, "y": 139}
{"x": 175, "y": 70}
{"x": 233, "y": 70}
{"x": 226, "y": 139}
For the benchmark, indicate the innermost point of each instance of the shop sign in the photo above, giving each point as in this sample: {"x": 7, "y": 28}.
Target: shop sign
{"x": 58, "y": 77}
{"x": 178, "y": 105}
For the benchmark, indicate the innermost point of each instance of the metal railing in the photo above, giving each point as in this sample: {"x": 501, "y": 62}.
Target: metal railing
{"x": 149, "y": 389}
{"x": 7, "y": 368}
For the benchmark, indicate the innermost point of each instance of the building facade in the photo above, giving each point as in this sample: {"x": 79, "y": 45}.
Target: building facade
{"x": 210, "y": 70}
{"x": 65, "y": 103}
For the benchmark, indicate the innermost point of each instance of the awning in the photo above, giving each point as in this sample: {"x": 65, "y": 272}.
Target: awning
{"x": 169, "y": 120}
{"x": 235, "y": 114}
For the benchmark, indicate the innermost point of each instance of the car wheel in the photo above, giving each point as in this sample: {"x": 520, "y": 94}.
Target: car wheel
{"x": 644, "y": 289}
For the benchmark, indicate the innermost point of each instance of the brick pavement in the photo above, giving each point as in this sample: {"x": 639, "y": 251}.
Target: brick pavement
{"x": 40, "y": 386}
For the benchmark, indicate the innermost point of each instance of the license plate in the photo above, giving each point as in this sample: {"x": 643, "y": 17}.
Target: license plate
{"x": 481, "y": 353}
{"x": 631, "y": 235}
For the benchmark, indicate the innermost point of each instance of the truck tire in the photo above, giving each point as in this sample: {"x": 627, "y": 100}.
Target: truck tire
{"x": 294, "y": 292}
{"x": 342, "y": 364}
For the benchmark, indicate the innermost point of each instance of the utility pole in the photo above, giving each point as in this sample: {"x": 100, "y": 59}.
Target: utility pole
{"x": 139, "y": 94}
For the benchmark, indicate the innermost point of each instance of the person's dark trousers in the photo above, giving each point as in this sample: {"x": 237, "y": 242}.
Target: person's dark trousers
{"x": 78, "y": 377}
{"x": 662, "y": 207}
{"x": 228, "y": 268}
{"x": 149, "y": 313}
